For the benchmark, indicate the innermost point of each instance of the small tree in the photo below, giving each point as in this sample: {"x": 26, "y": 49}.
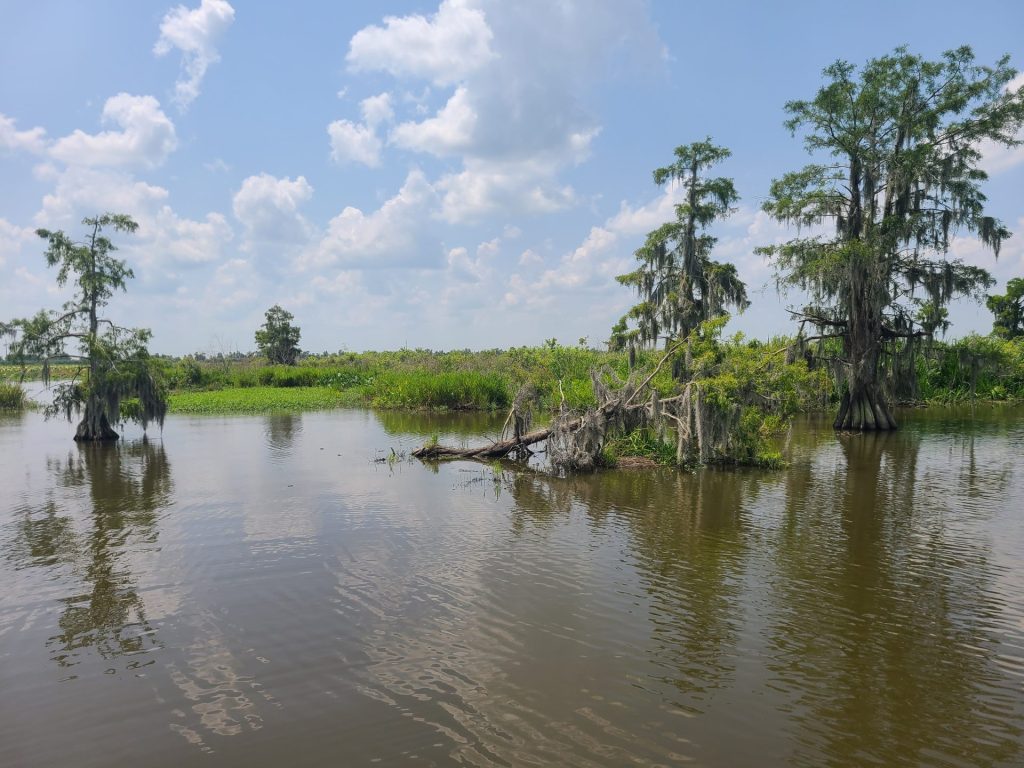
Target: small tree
{"x": 113, "y": 363}
{"x": 1008, "y": 310}
{"x": 898, "y": 147}
{"x": 679, "y": 285}
{"x": 277, "y": 338}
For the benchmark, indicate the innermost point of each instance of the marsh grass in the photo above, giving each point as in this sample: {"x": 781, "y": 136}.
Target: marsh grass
{"x": 458, "y": 380}
{"x": 12, "y": 396}
{"x": 640, "y": 443}
{"x": 453, "y": 390}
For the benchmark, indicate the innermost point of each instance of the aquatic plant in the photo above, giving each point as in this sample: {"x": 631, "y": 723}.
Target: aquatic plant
{"x": 12, "y": 396}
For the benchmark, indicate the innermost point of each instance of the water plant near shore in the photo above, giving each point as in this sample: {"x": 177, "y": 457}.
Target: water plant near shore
{"x": 12, "y": 396}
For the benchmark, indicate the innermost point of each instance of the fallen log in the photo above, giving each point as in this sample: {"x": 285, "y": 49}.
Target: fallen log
{"x": 495, "y": 450}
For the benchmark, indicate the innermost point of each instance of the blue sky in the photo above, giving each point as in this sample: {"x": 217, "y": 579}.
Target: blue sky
{"x": 445, "y": 175}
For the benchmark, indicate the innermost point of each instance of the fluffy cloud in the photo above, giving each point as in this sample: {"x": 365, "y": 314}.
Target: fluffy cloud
{"x": 484, "y": 187}
{"x": 165, "y": 241}
{"x": 187, "y": 242}
{"x": 195, "y": 33}
{"x": 354, "y": 143}
{"x": 377, "y": 109}
{"x": 145, "y": 140}
{"x": 81, "y": 191}
{"x": 443, "y": 48}
{"x": 358, "y": 142}
{"x": 451, "y": 131}
{"x": 12, "y": 238}
{"x": 400, "y": 232}
{"x": 234, "y": 286}
{"x": 31, "y": 140}
{"x": 517, "y": 116}
{"x": 268, "y": 209}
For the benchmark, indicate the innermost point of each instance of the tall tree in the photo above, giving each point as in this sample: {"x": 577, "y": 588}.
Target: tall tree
{"x": 113, "y": 362}
{"x": 899, "y": 143}
{"x": 277, "y": 338}
{"x": 1008, "y": 310}
{"x": 678, "y": 283}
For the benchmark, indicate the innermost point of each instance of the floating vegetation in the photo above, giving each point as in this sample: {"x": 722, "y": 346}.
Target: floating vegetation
{"x": 259, "y": 400}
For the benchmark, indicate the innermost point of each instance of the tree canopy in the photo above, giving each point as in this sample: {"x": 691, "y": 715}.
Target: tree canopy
{"x": 113, "y": 361}
{"x": 277, "y": 338}
{"x": 1008, "y": 310}
{"x": 678, "y": 283}
{"x": 898, "y": 147}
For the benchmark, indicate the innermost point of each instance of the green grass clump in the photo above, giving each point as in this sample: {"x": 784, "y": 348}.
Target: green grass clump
{"x": 12, "y": 396}
{"x": 642, "y": 443}
{"x": 259, "y": 400}
{"x": 454, "y": 390}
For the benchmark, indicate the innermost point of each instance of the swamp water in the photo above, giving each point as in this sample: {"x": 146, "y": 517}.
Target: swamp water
{"x": 257, "y": 591}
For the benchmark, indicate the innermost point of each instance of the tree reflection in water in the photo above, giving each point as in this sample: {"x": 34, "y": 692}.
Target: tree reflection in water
{"x": 280, "y": 432}
{"x": 124, "y": 487}
{"x": 882, "y": 627}
{"x": 689, "y": 541}
{"x": 858, "y": 577}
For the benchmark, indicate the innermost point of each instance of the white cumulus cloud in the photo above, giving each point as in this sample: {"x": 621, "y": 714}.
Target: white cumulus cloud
{"x": 268, "y": 209}
{"x": 522, "y": 73}
{"x": 377, "y": 109}
{"x": 400, "y": 232}
{"x": 443, "y": 48}
{"x": 12, "y": 238}
{"x": 145, "y": 140}
{"x": 31, "y": 140}
{"x": 195, "y": 33}
{"x": 450, "y": 131}
{"x": 354, "y": 143}
{"x": 188, "y": 242}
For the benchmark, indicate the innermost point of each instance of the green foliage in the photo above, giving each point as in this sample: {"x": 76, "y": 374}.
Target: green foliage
{"x": 112, "y": 363}
{"x": 896, "y": 174}
{"x": 987, "y": 367}
{"x": 453, "y": 390}
{"x": 678, "y": 284}
{"x": 12, "y": 396}
{"x": 277, "y": 339}
{"x": 755, "y": 390}
{"x": 1008, "y": 310}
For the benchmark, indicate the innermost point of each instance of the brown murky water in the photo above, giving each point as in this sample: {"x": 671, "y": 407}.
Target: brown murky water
{"x": 258, "y": 592}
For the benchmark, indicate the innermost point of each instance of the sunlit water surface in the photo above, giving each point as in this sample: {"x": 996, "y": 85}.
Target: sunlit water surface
{"x": 258, "y": 591}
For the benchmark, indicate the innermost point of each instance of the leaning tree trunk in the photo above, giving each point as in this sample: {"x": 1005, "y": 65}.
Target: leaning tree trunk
{"x": 94, "y": 426}
{"x": 863, "y": 407}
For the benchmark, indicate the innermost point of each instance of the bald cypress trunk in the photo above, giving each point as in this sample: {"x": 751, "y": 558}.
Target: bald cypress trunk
{"x": 863, "y": 407}
{"x": 94, "y": 426}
